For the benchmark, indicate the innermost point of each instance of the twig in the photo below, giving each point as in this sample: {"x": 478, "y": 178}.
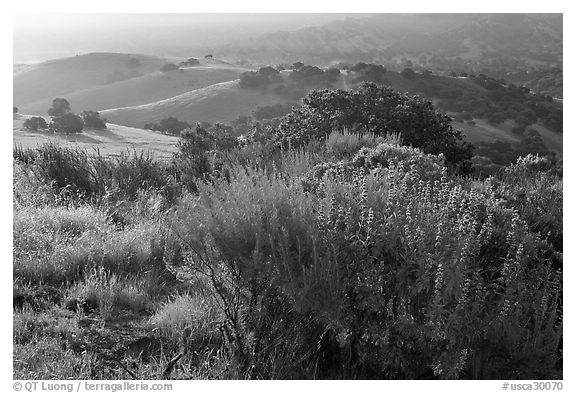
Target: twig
{"x": 170, "y": 366}
{"x": 134, "y": 376}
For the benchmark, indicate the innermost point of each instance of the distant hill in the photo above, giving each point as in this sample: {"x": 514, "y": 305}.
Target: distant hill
{"x": 60, "y": 77}
{"x": 494, "y": 44}
{"x": 151, "y": 87}
{"x": 530, "y": 37}
{"x": 221, "y": 102}
{"x": 113, "y": 141}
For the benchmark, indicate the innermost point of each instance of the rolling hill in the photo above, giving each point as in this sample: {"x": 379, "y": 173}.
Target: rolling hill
{"x": 106, "y": 80}
{"x": 212, "y": 92}
{"x": 59, "y": 77}
{"x": 220, "y": 102}
{"x": 144, "y": 89}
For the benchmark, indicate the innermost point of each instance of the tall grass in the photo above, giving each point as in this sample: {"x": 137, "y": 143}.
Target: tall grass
{"x": 93, "y": 176}
{"x": 56, "y": 245}
{"x": 345, "y": 144}
{"x": 111, "y": 293}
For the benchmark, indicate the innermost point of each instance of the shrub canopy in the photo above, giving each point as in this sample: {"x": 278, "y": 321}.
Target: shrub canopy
{"x": 376, "y": 109}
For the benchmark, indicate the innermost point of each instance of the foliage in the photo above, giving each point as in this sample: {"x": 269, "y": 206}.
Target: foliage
{"x": 382, "y": 274}
{"x": 272, "y": 111}
{"x": 376, "y": 109}
{"x": 77, "y": 174}
{"x": 68, "y": 123}
{"x": 254, "y": 80}
{"x": 169, "y": 125}
{"x": 300, "y": 80}
{"x": 93, "y": 120}
{"x": 346, "y": 144}
{"x": 35, "y": 123}
{"x": 190, "y": 62}
{"x": 369, "y": 73}
{"x": 533, "y": 185}
{"x": 109, "y": 293}
{"x": 60, "y": 107}
{"x": 186, "y": 311}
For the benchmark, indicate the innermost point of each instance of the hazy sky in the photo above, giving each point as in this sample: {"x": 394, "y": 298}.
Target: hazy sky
{"x": 40, "y": 37}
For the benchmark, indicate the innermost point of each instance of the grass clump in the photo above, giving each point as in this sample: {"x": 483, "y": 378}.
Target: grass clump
{"x": 345, "y": 144}
{"x": 187, "y": 311}
{"x": 108, "y": 293}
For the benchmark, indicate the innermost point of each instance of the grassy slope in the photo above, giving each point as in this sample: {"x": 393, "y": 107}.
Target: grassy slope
{"x": 113, "y": 141}
{"x": 145, "y": 89}
{"x": 219, "y": 102}
{"x": 63, "y": 76}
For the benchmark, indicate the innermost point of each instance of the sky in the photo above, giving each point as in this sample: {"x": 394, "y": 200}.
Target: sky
{"x": 39, "y": 37}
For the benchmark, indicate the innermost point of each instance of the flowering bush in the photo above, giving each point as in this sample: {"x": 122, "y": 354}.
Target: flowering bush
{"x": 386, "y": 273}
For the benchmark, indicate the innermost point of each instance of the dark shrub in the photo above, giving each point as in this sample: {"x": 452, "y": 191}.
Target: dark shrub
{"x": 93, "y": 120}
{"x": 190, "y": 62}
{"x": 67, "y": 124}
{"x": 35, "y": 123}
{"x": 379, "y": 110}
{"x": 254, "y": 80}
{"x": 60, "y": 107}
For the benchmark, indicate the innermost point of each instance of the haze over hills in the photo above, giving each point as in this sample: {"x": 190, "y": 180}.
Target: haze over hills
{"x": 40, "y": 37}
{"x": 499, "y": 45}
{"x": 130, "y": 89}
{"x": 150, "y": 87}
{"x": 530, "y": 37}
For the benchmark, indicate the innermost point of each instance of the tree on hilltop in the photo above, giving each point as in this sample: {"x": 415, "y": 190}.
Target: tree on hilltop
{"x": 93, "y": 120}
{"x": 60, "y": 107}
{"x": 68, "y": 123}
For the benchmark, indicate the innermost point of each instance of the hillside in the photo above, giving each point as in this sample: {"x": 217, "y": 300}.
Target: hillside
{"x": 144, "y": 89}
{"x": 55, "y": 78}
{"x": 220, "y": 102}
{"x": 113, "y": 141}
